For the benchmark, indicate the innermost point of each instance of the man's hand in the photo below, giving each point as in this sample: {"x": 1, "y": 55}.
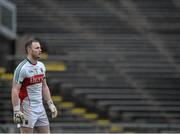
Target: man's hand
{"x": 18, "y": 117}
{"x": 52, "y": 108}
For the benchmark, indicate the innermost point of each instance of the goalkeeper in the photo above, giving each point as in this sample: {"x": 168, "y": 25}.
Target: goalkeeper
{"x": 29, "y": 89}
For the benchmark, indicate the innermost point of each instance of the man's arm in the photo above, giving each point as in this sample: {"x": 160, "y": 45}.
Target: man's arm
{"x": 18, "y": 115}
{"x": 46, "y": 92}
{"x": 15, "y": 94}
{"x": 47, "y": 97}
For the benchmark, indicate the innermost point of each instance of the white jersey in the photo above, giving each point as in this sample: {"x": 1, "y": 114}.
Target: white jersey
{"x": 31, "y": 77}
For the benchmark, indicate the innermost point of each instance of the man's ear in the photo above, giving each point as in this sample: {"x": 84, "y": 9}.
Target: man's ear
{"x": 28, "y": 50}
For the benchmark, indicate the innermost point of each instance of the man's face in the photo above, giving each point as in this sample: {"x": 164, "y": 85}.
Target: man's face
{"x": 35, "y": 50}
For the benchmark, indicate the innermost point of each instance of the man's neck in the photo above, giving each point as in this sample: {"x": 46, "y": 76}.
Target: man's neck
{"x": 31, "y": 60}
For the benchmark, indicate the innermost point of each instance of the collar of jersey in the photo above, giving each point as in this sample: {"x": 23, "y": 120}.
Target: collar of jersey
{"x": 30, "y": 62}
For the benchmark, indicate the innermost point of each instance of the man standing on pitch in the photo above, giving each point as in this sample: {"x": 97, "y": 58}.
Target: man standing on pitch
{"x": 29, "y": 89}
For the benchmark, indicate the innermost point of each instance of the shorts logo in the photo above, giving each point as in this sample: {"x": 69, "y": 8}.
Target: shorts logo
{"x": 26, "y": 122}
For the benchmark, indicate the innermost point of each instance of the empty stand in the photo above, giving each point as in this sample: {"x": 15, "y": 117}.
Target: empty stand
{"x": 121, "y": 60}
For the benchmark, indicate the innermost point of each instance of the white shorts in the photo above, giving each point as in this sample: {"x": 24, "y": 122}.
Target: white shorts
{"x": 35, "y": 117}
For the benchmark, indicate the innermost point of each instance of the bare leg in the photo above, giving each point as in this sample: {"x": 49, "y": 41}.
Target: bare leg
{"x": 43, "y": 129}
{"x": 26, "y": 130}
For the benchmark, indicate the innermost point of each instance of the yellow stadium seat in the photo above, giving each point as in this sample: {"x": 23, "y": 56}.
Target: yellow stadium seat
{"x": 56, "y": 98}
{"x": 103, "y": 122}
{"x": 66, "y": 105}
{"x": 7, "y": 76}
{"x": 116, "y": 129}
{"x": 2, "y": 70}
{"x": 55, "y": 66}
{"x": 78, "y": 110}
{"x": 90, "y": 116}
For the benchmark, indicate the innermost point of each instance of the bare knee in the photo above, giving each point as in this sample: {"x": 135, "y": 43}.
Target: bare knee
{"x": 26, "y": 130}
{"x": 42, "y": 129}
